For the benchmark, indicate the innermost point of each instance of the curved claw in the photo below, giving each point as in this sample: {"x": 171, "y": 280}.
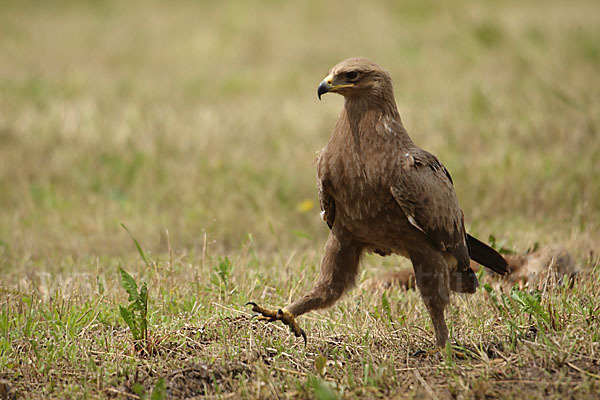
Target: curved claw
{"x": 303, "y": 336}
{"x": 253, "y": 304}
{"x": 264, "y": 312}
{"x": 288, "y": 318}
{"x": 419, "y": 353}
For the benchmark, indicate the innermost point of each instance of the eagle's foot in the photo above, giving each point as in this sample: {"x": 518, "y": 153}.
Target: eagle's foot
{"x": 283, "y": 315}
{"x": 425, "y": 353}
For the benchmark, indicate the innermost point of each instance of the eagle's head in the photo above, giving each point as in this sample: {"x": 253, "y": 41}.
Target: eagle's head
{"x": 356, "y": 76}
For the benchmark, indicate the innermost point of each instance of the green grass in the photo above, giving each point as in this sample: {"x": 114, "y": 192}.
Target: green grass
{"x": 195, "y": 124}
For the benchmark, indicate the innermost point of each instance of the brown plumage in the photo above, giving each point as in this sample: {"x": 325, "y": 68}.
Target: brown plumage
{"x": 381, "y": 193}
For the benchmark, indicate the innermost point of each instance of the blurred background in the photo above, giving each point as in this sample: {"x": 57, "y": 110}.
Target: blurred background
{"x": 201, "y": 118}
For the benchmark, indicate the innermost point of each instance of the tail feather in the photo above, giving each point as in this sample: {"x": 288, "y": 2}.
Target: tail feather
{"x": 486, "y": 256}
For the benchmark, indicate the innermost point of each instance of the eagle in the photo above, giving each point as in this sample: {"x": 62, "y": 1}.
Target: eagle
{"x": 379, "y": 192}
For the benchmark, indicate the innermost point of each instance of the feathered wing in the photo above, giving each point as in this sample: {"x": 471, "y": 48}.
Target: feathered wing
{"x": 425, "y": 194}
{"x": 326, "y": 201}
{"x": 327, "y": 205}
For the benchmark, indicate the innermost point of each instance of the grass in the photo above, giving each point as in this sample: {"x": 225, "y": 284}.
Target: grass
{"x": 195, "y": 125}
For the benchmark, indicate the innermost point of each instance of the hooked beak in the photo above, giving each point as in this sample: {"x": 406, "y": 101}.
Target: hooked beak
{"x": 327, "y": 86}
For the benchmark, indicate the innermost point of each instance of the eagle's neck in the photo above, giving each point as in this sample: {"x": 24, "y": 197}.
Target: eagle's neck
{"x": 370, "y": 116}
{"x": 382, "y": 103}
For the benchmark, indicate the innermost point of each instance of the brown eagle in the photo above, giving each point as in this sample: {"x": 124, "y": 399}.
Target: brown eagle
{"x": 381, "y": 193}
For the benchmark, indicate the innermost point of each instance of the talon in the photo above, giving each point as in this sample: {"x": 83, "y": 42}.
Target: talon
{"x": 282, "y": 315}
{"x": 427, "y": 353}
{"x": 271, "y": 314}
{"x": 418, "y": 354}
{"x": 288, "y": 318}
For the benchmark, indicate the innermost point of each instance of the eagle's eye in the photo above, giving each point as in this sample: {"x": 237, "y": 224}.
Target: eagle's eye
{"x": 351, "y": 75}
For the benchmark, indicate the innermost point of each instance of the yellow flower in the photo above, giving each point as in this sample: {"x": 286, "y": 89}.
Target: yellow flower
{"x": 305, "y": 205}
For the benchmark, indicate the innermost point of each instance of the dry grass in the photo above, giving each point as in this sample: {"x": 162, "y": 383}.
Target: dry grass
{"x": 62, "y": 337}
{"x": 202, "y": 120}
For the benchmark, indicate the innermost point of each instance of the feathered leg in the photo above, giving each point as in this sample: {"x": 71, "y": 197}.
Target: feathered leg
{"x": 338, "y": 272}
{"x": 431, "y": 273}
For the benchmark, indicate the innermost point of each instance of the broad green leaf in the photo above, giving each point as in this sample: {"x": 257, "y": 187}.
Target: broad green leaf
{"x": 129, "y": 284}
{"x": 129, "y": 320}
{"x": 143, "y": 298}
{"x": 143, "y": 328}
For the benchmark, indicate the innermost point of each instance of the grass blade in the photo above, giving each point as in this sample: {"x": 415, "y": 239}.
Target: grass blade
{"x": 137, "y": 245}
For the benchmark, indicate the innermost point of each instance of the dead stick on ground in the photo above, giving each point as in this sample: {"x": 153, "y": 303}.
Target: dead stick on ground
{"x": 117, "y": 391}
{"x": 576, "y": 368}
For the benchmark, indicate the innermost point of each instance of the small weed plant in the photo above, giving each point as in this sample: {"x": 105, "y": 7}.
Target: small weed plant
{"x": 135, "y": 314}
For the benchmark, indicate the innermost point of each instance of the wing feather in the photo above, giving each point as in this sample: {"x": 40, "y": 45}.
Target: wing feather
{"x": 425, "y": 193}
{"x": 327, "y": 204}
{"x": 326, "y": 201}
